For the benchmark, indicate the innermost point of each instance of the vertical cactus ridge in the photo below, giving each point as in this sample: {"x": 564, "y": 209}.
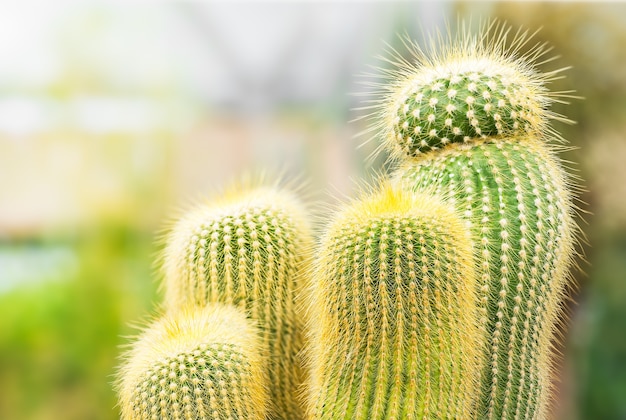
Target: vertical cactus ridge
{"x": 395, "y": 333}
{"x": 514, "y": 198}
{"x": 203, "y": 363}
{"x": 250, "y": 249}
{"x": 465, "y": 87}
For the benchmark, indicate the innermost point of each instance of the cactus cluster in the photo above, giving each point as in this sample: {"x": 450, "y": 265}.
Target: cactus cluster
{"x": 433, "y": 295}
{"x": 468, "y": 127}
{"x": 505, "y": 181}
{"x": 245, "y": 251}
{"x": 248, "y": 249}
{"x": 193, "y": 364}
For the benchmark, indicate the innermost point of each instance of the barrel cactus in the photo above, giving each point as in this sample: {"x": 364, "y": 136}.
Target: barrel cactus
{"x": 396, "y": 329}
{"x": 202, "y": 363}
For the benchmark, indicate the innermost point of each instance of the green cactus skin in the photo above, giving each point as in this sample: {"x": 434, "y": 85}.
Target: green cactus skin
{"x": 202, "y": 363}
{"x": 250, "y": 248}
{"x": 472, "y": 86}
{"x": 395, "y": 333}
{"x": 483, "y": 143}
{"x": 442, "y": 107}
{"x": 513, "y": 195}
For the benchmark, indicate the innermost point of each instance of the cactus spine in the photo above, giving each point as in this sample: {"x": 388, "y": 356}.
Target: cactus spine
{"x": 203, "y": 363}
{"x": 470, "y": 122}
{"x": 248, "y": 249}
{"x": 395, "y": 333}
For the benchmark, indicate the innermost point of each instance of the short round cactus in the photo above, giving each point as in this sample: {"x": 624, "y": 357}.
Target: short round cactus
{"x": 203, "y": 363}
{"x": 454, "y": 106}
{"x": 249, "y": 248}
{"x": 396, "y": 332}
{"x": 467, "y": 89}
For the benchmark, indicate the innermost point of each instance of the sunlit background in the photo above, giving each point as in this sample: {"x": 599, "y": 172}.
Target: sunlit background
{"x": 112, "y": 116}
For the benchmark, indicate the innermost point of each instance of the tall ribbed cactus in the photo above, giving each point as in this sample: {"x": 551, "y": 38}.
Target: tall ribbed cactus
{"x": 249, "y": 249}
{"x": 395, "y": 332}
{"x": 470, "y": 122}
{"x": 202, "y": 363}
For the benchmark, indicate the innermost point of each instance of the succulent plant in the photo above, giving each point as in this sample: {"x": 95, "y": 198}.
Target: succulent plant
{"x": 201, "y": 363}
{"x": 470, "y": 122}
{"x": 250, "y": 249}
{"x": 436, "y": 294}
{"x": 396, "y": 330}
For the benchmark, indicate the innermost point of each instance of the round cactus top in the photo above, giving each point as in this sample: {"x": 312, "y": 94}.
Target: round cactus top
{"x": 470, "y": 88}
{"x": 175, "y": 358}
{"x": 454, "y": 104}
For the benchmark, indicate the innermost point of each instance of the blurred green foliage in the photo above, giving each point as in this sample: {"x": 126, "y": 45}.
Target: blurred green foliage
{"x": 60, "y": 338}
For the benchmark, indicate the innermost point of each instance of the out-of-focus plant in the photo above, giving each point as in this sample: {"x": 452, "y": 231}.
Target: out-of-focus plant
{"x": 59, "y": 336}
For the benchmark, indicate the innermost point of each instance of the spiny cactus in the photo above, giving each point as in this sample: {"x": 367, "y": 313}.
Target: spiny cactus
{"x": 395, "y": 328}
{"x": 203, "y": 363}
{"x": 471, "y": 88}
{"x": 470, "y": 122}
{"x": 250, "y": 249}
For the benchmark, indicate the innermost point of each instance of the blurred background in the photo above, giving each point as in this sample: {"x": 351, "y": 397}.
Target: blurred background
{"x": 112, "y": 116}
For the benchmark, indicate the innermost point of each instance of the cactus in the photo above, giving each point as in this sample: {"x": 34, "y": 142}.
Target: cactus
{"x": 437, "y": 295}
{"x": 471, "y": 122}
{"x": 195, "y": 364}
{"x": 249, "y": 249}
{"x": 395, "y": 328}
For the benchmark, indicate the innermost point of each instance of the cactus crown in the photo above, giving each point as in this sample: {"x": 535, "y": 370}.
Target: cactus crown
{"x": 394, "y": 267}
{"x": 224, "y": 242}
{"x": 464, "y": 87}
{"x": 195, "y": 363}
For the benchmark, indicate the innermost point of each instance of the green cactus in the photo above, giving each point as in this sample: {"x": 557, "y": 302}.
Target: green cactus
{"x": 195, "y": 364}
{"x": 250, "y": 249}
{"x": 469, "y": 89}
{"x": 395, "y": 332}
{"x": 470, "y": 122}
